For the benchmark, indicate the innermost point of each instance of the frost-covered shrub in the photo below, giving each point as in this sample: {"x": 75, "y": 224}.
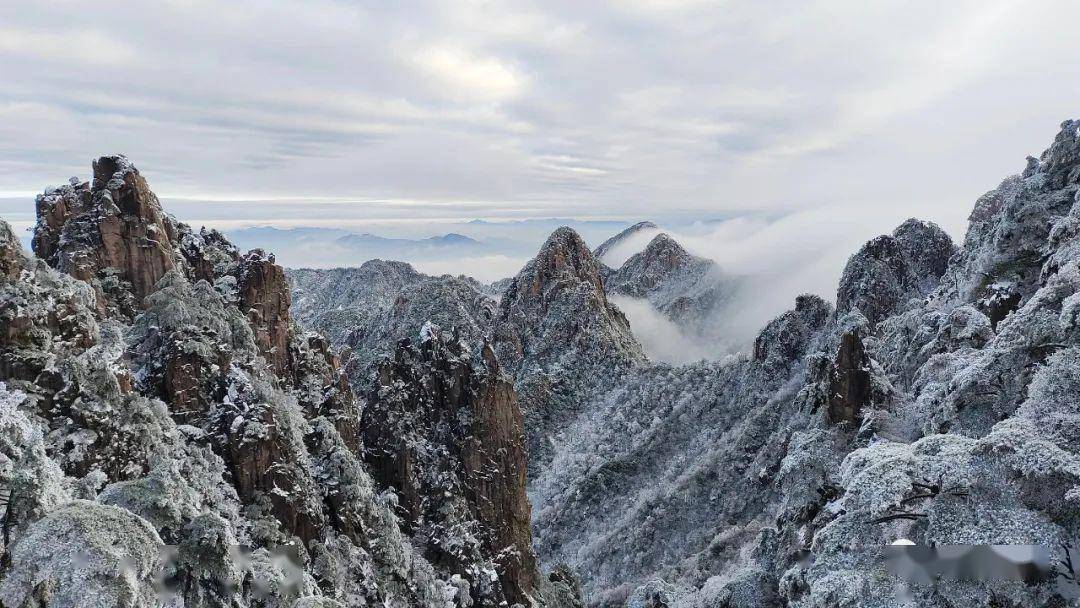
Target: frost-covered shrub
{"x": 179, "y": 487}
{"x": 84, "y": 555}
{"x": 35, "y": 483}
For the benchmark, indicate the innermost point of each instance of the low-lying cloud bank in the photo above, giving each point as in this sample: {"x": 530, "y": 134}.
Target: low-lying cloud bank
{"x": 772, "y": 260}
{"x": 660, "y": 338}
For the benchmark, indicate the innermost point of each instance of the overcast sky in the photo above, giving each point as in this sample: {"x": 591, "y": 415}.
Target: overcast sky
{"x": 638, "y": 108}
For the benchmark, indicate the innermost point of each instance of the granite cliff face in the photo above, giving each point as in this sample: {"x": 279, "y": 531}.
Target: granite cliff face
{"x": 109, "y": 232}
{"x": 152, "y": 381}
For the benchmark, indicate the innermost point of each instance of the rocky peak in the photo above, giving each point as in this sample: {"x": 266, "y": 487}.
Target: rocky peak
{"x": 1060, "y": 163}
{"x": 1014, "y": 241}
{"x": 928, "y": 249}
{"x": 54, "y": 208}
{"x": 665, "y": 252}
{"x": 111, "y": 233}
{"x": 890, "y": 270}
{"x": 265, "y": 299}
{"x": 784, "y": 341}
{"x": 691, "y": 291}
{"x": 564, "y": 256}
{"x": 559, "y": 337}
{"x": 556, "y": 306}
{"x": 607, "y": 245}
{"x": 660, "y": 261}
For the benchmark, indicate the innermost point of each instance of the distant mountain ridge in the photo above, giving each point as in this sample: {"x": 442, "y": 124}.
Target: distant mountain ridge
{"x": 384, "y": 247}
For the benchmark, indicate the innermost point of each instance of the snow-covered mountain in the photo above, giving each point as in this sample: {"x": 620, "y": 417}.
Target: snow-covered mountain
{"x": 369, "y": 309}
{"x": 690, "y": 291}
{"x": 448, "y": 442}
{"x": 934, "y": 404}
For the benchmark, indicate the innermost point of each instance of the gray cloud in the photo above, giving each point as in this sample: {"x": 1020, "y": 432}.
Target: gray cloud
{"x": 635, "y": 108}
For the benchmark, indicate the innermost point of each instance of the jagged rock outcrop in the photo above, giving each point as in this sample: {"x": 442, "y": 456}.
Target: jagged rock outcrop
{"x": 265, "y": 298}
{"x": 850, "y": 385}
{"x": 622, "y": 237}
{"x": 891, "y": 270}
{"x": 445, "y": 433}
{"x": 1018, "y": 234}
{"x": 556, "y": 308}
{"x": 11, "y": 258}
{"x": 110, "y": 232}
{"x": 784, "y": 341}
{"x": 928, "y": 250}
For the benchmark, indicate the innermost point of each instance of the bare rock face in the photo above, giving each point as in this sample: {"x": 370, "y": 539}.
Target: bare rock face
{"x": 111, "y": 232}
{"x": 850, "y": 386}
{"x": 12, "y": 260}
{"x": 265, "y": 299}
{"x": 446, "y": 434}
